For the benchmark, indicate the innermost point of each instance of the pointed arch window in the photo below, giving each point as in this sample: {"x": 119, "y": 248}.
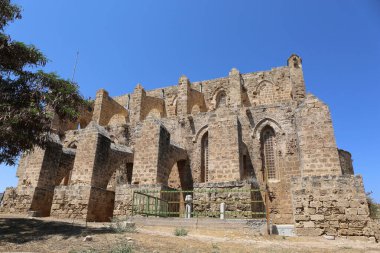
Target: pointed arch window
{"x": 221, "y": 99}
{"x": 267, "y": 143}
{"x": 204, "y": 158}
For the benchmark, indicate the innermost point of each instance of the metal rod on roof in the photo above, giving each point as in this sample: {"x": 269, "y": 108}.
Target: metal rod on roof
{"x": 75, "y": 66}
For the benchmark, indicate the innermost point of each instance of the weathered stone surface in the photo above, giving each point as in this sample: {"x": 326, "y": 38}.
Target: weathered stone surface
{"x": 342, "y": 210}
{"x": 236, "y": 132}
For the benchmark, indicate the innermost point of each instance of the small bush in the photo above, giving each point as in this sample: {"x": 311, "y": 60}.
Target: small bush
{"x": 122, "y": 248}
{"x": 374, "y": 211}
{"x": 120, "y": 225}
{"x": 180, "y": 232}
{"x": 215, "y": 248}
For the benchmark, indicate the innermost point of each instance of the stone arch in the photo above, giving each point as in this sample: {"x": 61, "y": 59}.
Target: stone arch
{"x": 180, "y": 178}
{"x": 264, "y": 93}
{"x": 83, "y": 122}
{"x": 196, "y": 109}
{"x": 200, "y": 132}
{"x": 73, "y": 144}
{"x": 266, "y": 122}
{"x": 118, "y": 119}
{"x": 155, "y": 113}
{"x": 220, "y": 95}
{"x": 221, "y": 99}
{"x": 178, "y": 175}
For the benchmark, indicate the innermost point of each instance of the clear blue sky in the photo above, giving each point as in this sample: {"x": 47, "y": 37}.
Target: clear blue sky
{"x": 154, "y": 42}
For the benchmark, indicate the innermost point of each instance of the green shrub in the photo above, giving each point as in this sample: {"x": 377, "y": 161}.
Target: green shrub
{"x": 180, "y": 232}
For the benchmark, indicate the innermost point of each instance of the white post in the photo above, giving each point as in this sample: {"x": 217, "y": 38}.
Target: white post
{"x": 222, "y": 210}
{"x": 188, "y": 200}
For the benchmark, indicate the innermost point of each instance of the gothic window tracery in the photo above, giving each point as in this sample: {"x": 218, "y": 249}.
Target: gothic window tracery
{"x": 268, "y": 142}
{"x": 204, "y": 158}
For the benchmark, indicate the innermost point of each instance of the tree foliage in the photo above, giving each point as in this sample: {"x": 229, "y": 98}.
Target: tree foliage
{"x": 29, "y": 97}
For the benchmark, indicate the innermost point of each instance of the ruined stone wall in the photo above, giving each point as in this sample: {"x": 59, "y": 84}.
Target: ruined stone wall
{"x": 236, "y": 195}
{"x": 318, "y": 150}
{"x": 154, "y": 154}
{"x": 162, "y": 143}
{"x": 17, "y": 200}
{"x": 40, "y": 167}
{"x": 296, "y": 76}
{"x": 197, "y": 102}
{"x": 346, "y": 162}
{"x": 70, "y": 202}
{"x": 280, "y": 118}
{"x": 331, "y": 205}
{"x": 146, "y": 154}
{"x": 269, "y": 87}
{"x": 152, "y": 107}
{"x": 124, "y": 196}
{"x": 105, "y": 108}
{"x": 224, "y": 148}
{"x": 279, "y": 85}
{"x": 38, "y": 174}
{"x": 91, "y": 157}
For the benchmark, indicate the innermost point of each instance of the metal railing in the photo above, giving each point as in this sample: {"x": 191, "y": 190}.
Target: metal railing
{"x": 239, "y": 203}
{"x": 149, "y": 205}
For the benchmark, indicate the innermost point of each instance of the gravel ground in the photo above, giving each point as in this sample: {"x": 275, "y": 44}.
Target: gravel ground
{"x": 22, "y": 234}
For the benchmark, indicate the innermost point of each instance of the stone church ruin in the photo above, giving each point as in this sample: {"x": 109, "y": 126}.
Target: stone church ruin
{"x": 257, "y": 131}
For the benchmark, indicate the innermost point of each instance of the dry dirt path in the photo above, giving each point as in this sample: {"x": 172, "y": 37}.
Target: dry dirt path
{"x": 22, "y": 234}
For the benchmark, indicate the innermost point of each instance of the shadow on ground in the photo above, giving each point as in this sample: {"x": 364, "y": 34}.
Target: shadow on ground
{"x": 23, "y": 230}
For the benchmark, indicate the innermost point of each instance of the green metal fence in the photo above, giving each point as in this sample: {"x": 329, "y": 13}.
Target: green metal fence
{"x": 239, "y": 203}
{"x": 149, "y": 205}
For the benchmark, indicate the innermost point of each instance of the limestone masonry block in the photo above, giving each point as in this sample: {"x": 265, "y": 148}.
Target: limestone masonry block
{"x": 244, "y": 131}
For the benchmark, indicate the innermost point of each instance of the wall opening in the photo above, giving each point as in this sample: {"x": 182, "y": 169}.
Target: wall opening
{"x": 129, "y": 170}
{"x": 221, "y": 99}
{"x": 268, "y": 152}
{"x": 204, "y": 158}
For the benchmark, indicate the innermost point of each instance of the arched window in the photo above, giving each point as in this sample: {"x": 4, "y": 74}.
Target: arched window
{"x": 267, "y": 143}
{"x": 204, "y": 158}
{"x": 221, "y": 99}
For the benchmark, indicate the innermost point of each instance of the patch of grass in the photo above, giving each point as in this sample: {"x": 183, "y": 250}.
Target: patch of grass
{"x": 122, "y": 248}
{"x": 120, "y": 225}
{"x": 83, "y": 251}
{"x": 180, "y": 232}
{"x": 215, "y": 248}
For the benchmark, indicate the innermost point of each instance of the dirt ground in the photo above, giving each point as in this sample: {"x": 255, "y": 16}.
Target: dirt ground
{"x": 23, "y": 234}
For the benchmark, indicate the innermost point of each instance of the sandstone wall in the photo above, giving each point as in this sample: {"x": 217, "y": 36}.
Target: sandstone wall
{"x": 346, "y": 162}
{"x": 105, "y": 108}
{"x": 155, "y": 155}
{"x": 236, "y": 195}
{"x": 224, "y": 147}
{"x": 318, "y": 150}
{"x": 279, "y": 85}
{"x": 17, "y": 200}
{"x": 124, "y": 196}
{"x": 331, "y": 205}
{"x": 162, "y": 143}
